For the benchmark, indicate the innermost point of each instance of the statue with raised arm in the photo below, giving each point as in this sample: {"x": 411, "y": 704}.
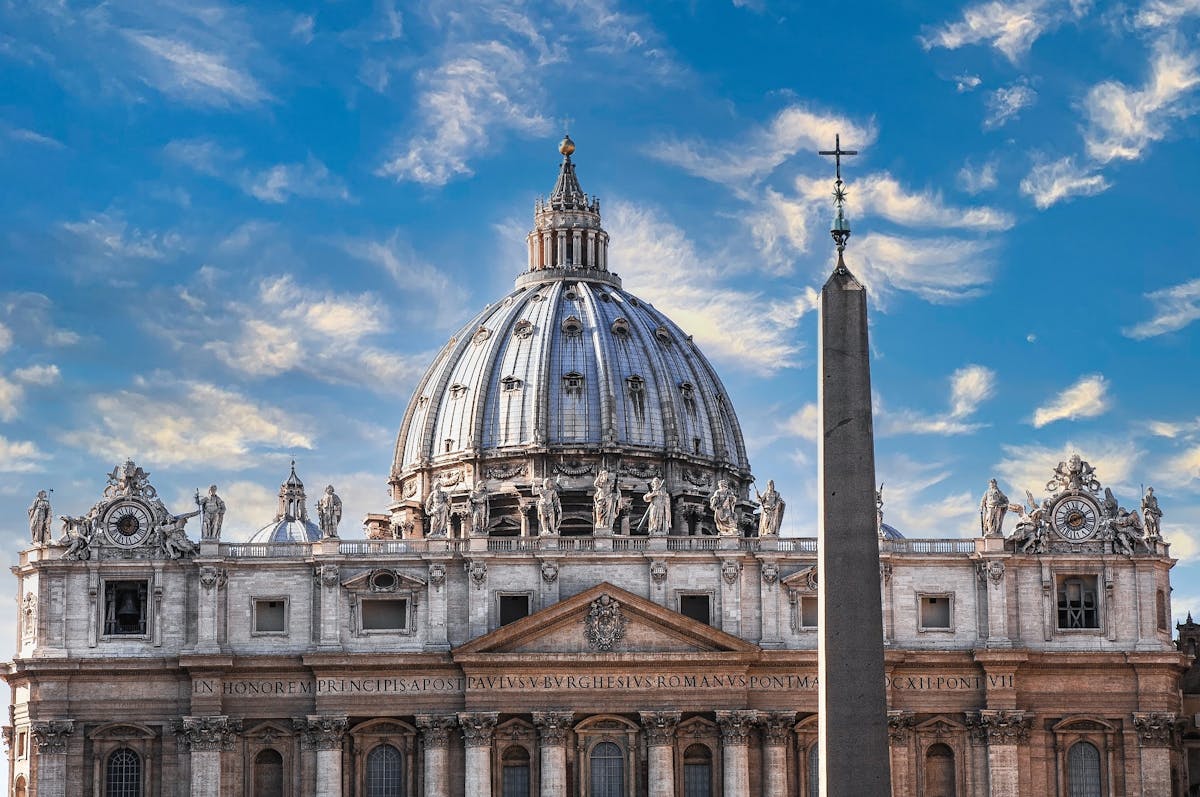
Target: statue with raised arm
{"x": 606, "y": 500}
{"x": 771, "y": 515}
{"x": 437, "y": 512}
{"x": 723, "y": 503}
{"x": 658, "y": 513}
{"x": 480, "y": 509}
{"x": 329, "y": 512}
{"x": 1030, "y": 533}
{"x": 40, "y": 516}
{"x": 212, "y": 514}
{"x": 992, "y": 508}
{"x": 1151, "y": 515}
{"x": 77, "y": 536}
{"x": 172, "y": 538}
{"x": 549, "y": 508}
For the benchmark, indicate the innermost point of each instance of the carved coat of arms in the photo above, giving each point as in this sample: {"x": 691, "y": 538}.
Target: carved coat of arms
{"x": 605, "y": 623}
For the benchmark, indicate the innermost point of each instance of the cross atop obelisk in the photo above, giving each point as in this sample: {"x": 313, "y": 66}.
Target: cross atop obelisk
{"x": 841, "y": 227}
{"x": 852, "y": 702}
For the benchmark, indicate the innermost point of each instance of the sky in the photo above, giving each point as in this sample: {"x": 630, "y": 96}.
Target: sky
{"x": 236, "y": 234}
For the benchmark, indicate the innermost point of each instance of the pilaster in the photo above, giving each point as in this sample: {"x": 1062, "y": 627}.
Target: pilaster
{"x": 1004, "y": 730}
{"x": 736, "y": 727}
{"x": 50, "y": 737}
{"x": 435, "y": 734}
{"x": 323, "y": 734}
{"x": 438, "y": 630}
{"x": 659, "y": 727}
{"x": 900, "y": 724}
{"x": 206, "y": 738}
{"x": 776, "y": 733}
{"x": 478, "y": 729}
{"x": 552, "y": 729}
{"x": 1156, "y": 734}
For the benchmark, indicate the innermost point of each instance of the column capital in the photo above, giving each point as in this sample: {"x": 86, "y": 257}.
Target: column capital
{"x": 435, "y": 729}
{"x": 776, "y": 725}
{"x": 553, "y": 726}
{"x": 736, "y": 726}
{"x": 478, "y": 727}
{"x": 899, "y": 724}
{"x": 321, "y": 731}
{"x": 1155, "y": 728}
{"x": 201, "y": 734}
{"x": 50, "y": 736}
{"x": 659, "y": 726}
{"x": 1001, "y": 726}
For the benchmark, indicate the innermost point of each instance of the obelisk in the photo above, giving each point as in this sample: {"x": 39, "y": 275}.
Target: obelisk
{"x": 853, "y": 703}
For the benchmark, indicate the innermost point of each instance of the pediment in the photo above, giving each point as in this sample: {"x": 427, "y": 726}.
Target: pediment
{"x": 383, "y": 579}
{"x": 606, "y": 619}
{"x": 804, "y": 579}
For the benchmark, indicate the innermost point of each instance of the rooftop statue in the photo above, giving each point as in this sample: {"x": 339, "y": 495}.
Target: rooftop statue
{"x": 437, "y": 511}
{"x": 606, "y": 501}
{"x": 1151, "y": 515}
{"x": 329, "y": 512}
{"x": 658, "y": 513}
{"x": 172, "y": 538}
{"x": 771, "y": 517}
{"x": 992, "y": 508}
{"x": 549, "y": 508}
{"x": 213, "y": 510}
{"x": 723, "y": 502}
{"x": 40, "y": 515}
{"x": 480, "y": 508}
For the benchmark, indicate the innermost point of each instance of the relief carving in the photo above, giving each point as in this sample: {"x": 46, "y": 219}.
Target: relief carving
{"x": 605, "y": 623}
{"x": 51, "y": 736}
{"x": 207, "y": 733}
{"x": 1155, "y": 729}
{"x": 477, "y": 728}
{"x": 736, "y": 726}
{"x": 552, "y": 726}
{"x": 435, "y": 729}
{"x": 899, "y": 725}
{"x": 549, "y": 572}
{"x": 659, "y": 726}
{"x": 321, "y": 731}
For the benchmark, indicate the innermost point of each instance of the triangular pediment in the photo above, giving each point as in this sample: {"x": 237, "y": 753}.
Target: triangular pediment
{"x": 605, "y": 619}
{"x": 804, "y": 579}
{"x": 382, "y": 579}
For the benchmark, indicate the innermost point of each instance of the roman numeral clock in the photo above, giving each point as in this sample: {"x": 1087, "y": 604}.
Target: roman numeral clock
{"x": 1075, "y": 517}
{"x": 128, "y": 523}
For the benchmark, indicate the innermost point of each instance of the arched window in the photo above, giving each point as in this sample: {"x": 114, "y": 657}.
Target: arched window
{"x": 697, "y": 771}
{"x": 814, "y": 770}
{"x": 515, "y": 765}
{"x": 608, "y": 771}
{"x": 123, "y": 775}
{"x": 268, "y": 774}
{"x": 19, "y": 787}
{"x": 385, "y": 772}
{"x": 1083, "y": 770}
{"x": 939, "y": 771}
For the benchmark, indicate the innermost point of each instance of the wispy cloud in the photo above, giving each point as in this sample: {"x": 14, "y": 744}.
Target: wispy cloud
{"x": 1122, "y": 121}
{"x": 110, "y": 236}
{"x": 911, "y": 502}
{"x": 1010, "y": 27}
{"x": 1087, "y": 398}
{"x": 1029, "y": 467}
{"x": 804, "y": 423}
{"x": 976, "y": 180}
{"x": 881, "y": 195}
{"x": 26, "y": 136}
{"x": 10, "y": 399}
{"x": 174, "y": 421}
{"x": 1005, "y": 104}
{"x": 938, "y": 270}
{"x": 179, "y": 69}
{"x": 1174, "y": 308}
{"x": 397, "y": 258}
{"x": 1165, "y": 13}
{"x": 20, "y": 456}
{"x": 970, "y": 386}
{"x": 38, "y": 375}
{"x": 1050, "y": 183}
{"x": 275, "y": 184}
{"x": 967, "y": 83}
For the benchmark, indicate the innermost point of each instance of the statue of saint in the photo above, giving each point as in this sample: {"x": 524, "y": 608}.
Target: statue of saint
{"x": 480, "y": 509}
{"x": 771, "y": 514}
{"x": 437, "y": 512}
{"x": 549, "y": 508}
{"x": 172, "y": 537}
{"x": 724, "y": 508}
{"x": 992, "y": 508}
{"x": 212, "y": 514}
{"x": 658, "y": 513}
{"x": 606, "y": 501}
{"x": 40, "y": 516}
{"x": 329, "y": 512}
{"x": 1151, "y": 515}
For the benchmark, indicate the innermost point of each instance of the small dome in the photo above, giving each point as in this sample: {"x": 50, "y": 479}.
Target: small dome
{"x": 291, "y": 523}
{"x": 890, "y": 532}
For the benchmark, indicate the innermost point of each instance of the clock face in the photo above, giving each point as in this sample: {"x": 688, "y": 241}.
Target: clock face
{"x": 1076, "y": 518}
{"x": 127, "y": 524}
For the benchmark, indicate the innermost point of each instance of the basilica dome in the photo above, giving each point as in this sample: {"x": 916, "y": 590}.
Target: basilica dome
{"x": 291, "y": 523}
{"x": 567, "y": 374}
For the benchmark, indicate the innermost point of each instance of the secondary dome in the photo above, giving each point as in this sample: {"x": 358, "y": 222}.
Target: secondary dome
{"x": 291, "y": 523}
{"x": 567, "y": 374}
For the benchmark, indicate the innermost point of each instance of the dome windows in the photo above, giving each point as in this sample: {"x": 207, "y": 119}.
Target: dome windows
{"x": 663, "y": 334}
{"x": 481, "y": 334}
{"x": 636, "y": 387}
{"x": 510, "y": 384}
{"x": 573, "y": 382}
{"x": 688, "y": 392}
{"x": 620, "y": 327}
{"x": 457, "y": 390}
{"x": 571, "y": 325}
{"x": 523, "y": 329}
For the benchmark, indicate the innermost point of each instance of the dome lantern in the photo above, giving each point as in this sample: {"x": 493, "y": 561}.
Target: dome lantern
{"x": 566, "y": 234}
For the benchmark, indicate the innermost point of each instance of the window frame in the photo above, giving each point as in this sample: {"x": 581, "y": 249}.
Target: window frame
{"x": 1060, "y": 581}
{"x": 102, "y": 604}
{"x": 934, "y": 629}
{"x": 800, "y": 624}
{"x": 287, "y": 615}
{"x": 508, "y": 593}
{"x": 680, "y": 594}
{"x": 410, "y": 616}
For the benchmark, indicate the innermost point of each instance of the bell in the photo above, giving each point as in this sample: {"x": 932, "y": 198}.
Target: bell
{"x": 128, "y": 612}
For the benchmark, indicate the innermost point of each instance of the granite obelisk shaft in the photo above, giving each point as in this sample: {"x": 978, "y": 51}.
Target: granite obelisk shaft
{"x": 853, "y": 703}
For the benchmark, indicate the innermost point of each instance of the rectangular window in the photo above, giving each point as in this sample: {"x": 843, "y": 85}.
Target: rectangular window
{"x": 1077, "y": 604}
{"x": 513, "y": 608}
{"x": 385, "y": 614}
{"x": 809, "y": 612}
{"x": 21, "y": 744}
{"x": 126, "y": 608}
{"x": 696, "y": 607}
{"x": 935, "y": 612}
{"x": 270, "y": 616}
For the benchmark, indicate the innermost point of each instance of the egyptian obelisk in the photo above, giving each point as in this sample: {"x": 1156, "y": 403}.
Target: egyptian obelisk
{"x": 853, "y": 702}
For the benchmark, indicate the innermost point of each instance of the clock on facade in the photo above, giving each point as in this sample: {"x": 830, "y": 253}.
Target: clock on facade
{"x": 1075, "y": 517}
{"x": 127, "y": 523}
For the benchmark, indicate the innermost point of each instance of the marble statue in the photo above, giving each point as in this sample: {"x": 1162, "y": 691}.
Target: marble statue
{"x": 437, "y": 512}
{"x": 1124, "y": 531}
{"x": 1030, "y": 533}
{"x": 40, "y": 516}
{"x": 992, "y": 508}
{"x": 212, "y": 510}
{"x": 1151, "y": 515}
{"x": 329, "y": 512}
{"x": 771, "y": 514}
{"x": 658, "y": 513}
{"x": 77, "y": 536}
{"x": 480, "y": 508}
{"x": 549, "y": 508}
{"x": 172, "y": 538}
{"x": 1074, "y": 475}
{"x": 606, "y": 500}
{"x": 724, "y": 508}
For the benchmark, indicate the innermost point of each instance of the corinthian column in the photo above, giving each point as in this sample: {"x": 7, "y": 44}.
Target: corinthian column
{"x": 660, "y": 745}
{"x": 435, "y": 733}
{"x": 552, "y": 733}
{"x": 205, "y": 738}
{"x": 477, "y": 732}
{"x": 1156, "y": 736}
{"x": 1003, "y": 729}
{"x": 51, "y": 740}
{"x": 900, "y": 724}
{"x": 735, "y": 743}
{"x": 323, "y": 734}
{"x": 776, "y": 729}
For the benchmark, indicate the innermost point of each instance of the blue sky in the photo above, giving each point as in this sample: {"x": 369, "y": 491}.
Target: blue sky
{"x": 234, "y": 235}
